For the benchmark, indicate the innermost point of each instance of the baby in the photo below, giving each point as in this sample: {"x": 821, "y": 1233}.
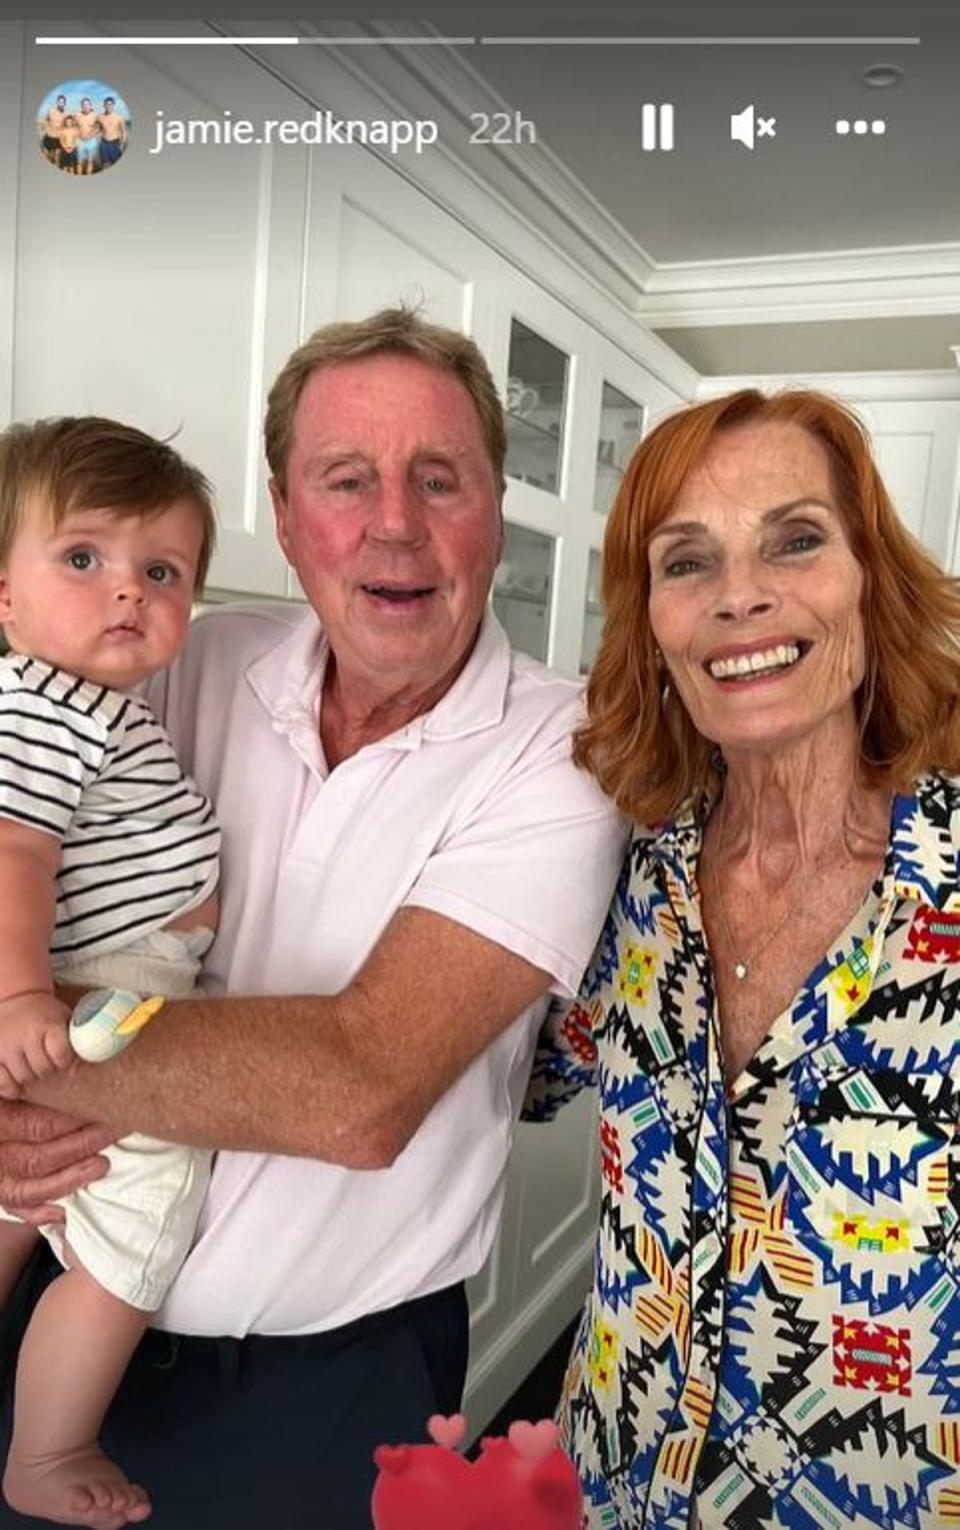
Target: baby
{"x": 108, "y": 876}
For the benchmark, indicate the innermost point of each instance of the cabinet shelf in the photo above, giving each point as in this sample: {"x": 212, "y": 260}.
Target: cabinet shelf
{"x": 523, "y": 597}
{"x": 527, "y": 428}
{"x": 533, "y": 452}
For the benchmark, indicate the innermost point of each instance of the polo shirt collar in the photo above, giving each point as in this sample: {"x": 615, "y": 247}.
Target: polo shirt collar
{"x": 288, "y": 681}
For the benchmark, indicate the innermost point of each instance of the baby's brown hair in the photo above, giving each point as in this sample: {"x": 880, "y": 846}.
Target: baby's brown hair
{"x": 85, "y": 462}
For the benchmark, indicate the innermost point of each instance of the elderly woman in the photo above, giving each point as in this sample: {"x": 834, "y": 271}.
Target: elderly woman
{"x": 773, "y": 1335}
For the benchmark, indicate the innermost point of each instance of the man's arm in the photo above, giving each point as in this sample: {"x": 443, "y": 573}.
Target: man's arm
{"x": 346, "y": 1078}
{"x": 44, "y": 1156}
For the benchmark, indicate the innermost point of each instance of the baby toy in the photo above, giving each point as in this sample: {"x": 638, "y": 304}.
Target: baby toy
{"x": 105, "y": 1021}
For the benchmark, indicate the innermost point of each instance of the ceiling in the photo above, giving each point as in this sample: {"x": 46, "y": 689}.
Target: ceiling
{"x": 805, "y": 190}
{"x": 918, "y": 344}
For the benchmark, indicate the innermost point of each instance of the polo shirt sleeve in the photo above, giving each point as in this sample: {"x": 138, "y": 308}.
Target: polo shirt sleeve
{"x": 534, "y": 864}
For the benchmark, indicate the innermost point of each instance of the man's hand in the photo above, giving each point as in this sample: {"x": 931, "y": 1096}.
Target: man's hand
{"x": 45, "y": 1155}
{"x": 33, "y": 1040}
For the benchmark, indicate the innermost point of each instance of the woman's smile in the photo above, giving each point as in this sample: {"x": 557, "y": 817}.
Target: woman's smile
{"x": 751, "y": 664}
{"x": 755, "y": 591}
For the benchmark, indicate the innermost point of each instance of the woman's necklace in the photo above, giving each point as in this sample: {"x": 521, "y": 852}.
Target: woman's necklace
{"x": 743, "y": 963}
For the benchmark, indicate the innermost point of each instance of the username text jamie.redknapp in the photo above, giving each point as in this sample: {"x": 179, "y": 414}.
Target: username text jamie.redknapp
{"x": 324, "y": 127}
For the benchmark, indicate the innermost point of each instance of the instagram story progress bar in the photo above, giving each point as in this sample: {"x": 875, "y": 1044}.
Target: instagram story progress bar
{"x": 245, "y": 41}
{"x": 656, "y": 126}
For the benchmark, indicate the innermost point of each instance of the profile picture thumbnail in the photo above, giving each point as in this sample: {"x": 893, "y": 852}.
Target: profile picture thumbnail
{"x": 83, "y": 126}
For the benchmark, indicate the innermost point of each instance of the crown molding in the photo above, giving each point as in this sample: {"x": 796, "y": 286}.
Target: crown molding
{"x": 870, "y": 387}
{"x": 841, "y": 284}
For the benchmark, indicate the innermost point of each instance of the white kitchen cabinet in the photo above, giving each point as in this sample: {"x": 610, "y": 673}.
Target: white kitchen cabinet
{"x": 570, "y": 388}
{"x": 592, "y": 612}
{"x": 539, "y": 1273}
{"x": 373, "y": 240}
{"x": 536, "y": 400}
{"x": 523, "y": 589}
{"x": 621, "y": 427}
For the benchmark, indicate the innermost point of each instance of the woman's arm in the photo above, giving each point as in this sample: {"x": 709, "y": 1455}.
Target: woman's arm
{"x": 565, "y": 1060}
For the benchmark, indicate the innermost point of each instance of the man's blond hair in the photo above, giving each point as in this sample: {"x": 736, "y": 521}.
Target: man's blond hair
{"x": 392, "y": 331}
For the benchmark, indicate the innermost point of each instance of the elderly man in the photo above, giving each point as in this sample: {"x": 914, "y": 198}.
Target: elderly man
{"x": 404, "y": 834}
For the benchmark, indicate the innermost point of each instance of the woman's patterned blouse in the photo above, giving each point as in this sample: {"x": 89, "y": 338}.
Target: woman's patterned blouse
{"x": 773, "y": 1337}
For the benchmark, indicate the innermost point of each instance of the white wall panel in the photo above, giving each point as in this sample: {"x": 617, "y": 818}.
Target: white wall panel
{"x": 380, "y": 265}
{"x": 11, "y": 131}
{"x": 160, "y": 290}
{"x": 374, "y": 240}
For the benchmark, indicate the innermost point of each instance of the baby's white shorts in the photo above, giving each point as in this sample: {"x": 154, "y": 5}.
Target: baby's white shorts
{"x": 132, "y": 1229}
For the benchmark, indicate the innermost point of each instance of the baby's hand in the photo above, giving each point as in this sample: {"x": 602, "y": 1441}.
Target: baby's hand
{"x": 33, "y": 1040}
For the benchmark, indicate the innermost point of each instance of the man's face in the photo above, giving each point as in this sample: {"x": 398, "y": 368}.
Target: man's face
{"x": 61, "y": 102}
{"x": 391, "y": 519}
{"x": 86, "y": 104}
{"x": 108, "y": 104}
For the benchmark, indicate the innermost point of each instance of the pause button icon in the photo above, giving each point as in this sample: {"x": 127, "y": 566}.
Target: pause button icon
{"x": 656, "y": 125}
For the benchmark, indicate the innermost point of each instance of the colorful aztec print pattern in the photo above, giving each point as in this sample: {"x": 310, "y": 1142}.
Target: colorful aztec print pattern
{"x": 773, "y": 1338}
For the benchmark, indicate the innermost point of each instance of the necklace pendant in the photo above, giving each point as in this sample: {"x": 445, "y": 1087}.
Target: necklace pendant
{"x": 740, "y": 970}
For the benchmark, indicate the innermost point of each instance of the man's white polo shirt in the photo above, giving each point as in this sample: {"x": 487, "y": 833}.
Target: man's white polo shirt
{"x": 475, "y": 811}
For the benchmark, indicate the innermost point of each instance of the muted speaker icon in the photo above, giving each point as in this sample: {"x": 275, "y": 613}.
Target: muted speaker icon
{"x": 747, "y": 126}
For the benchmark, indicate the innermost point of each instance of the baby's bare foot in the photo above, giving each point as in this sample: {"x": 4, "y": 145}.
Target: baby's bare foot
{"x": 82, "y": 1488}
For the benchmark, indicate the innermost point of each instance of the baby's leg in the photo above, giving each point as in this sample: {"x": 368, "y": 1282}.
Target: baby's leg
{"x": 76, "y": 1349}
{"x": 17, "y": 1243}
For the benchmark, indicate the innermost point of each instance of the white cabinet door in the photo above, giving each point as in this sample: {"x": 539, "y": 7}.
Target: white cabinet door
{"x": 538, "y": 1275}
{"x": 374, "y": 241}
{"x": 916, "y": 445}
{"x": 165, "y": 291}
{"x": 561, "y": 506}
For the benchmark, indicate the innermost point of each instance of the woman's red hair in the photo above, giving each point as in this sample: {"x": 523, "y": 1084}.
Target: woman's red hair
{"x": 639, "y": 741}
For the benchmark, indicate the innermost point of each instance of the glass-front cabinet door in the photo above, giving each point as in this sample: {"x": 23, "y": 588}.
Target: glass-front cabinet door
{"x": 621, "y": 426}
{"x": 592, "y": 614}
{"x": 523, "y": 589}
{"x": 536, "y": 399}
